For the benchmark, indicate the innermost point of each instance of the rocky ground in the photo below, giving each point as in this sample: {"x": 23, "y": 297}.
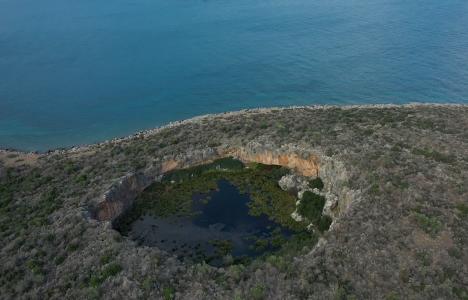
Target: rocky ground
{"x": 398, "y": 175}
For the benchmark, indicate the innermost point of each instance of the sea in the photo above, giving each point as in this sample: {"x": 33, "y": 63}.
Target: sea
{"x": 75, "y": 72}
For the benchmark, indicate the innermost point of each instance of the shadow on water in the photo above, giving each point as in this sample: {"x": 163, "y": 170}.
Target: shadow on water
{"x": 220, "y": 229}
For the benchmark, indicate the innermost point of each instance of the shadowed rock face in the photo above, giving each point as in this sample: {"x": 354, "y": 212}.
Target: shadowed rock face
{"x": 120, "y": 196}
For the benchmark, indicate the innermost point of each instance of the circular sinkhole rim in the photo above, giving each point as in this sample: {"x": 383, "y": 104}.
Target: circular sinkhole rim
{"x": 116, "y": 220}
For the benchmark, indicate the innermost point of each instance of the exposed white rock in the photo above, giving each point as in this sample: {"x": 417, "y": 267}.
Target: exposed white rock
{"x": 339, "y": 197}
{"x": 330, "y": 204}
{"x": 296, "y": 216}
{"x": 292, "y": 182}
{"x": 311, "y": 227}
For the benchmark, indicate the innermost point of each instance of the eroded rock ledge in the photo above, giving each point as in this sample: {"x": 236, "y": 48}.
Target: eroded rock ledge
{"x": 120, "y": 196}
{"x": 122, "y": 193}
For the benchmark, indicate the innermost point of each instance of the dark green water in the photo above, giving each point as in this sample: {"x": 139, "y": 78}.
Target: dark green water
{"x": 219, "y": 226}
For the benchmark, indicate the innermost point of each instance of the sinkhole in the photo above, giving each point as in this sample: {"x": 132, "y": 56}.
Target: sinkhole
{"x": 221, "y": 213}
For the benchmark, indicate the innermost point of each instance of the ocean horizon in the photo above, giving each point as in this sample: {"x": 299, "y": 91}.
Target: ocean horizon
{"x": 81, "y": 72}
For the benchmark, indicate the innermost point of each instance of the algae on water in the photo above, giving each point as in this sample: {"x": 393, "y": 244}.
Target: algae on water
{"x": 234, "y": 211}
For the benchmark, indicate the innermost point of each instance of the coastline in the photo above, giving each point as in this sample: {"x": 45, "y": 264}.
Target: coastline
{"x": 393, "y": 178}
{"x": 152, "y": 131}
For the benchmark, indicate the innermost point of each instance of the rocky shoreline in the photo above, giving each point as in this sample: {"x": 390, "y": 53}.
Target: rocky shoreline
{"x": 156, "y": 130}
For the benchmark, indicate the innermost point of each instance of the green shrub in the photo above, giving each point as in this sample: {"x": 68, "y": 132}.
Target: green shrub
{"x": 277, "y": 238}
{"x": 435, "y": 155}
{"x": 257, "y": 292}
{"x": 168, "y": 293}
{"x": 83, "y": 178}
{"x": 424, "y": 257}
{"x": 324, "y": 223}
{"x": 463, "y": 209}
{"x": 311, "y": 206}
{"x": 147, "y": 284}
{"x": 227, "y": 163}
{"x": 297, "y": 242}
{"x": 35, "y": 266}
{"x": 109, "y": 271}
{"x": 261, "y": 244}
{"x": 454, "y": 252}
{"x": 223, "y": 247}
{"x": 430, "y": 225}
{"x": 316, "y": 183}
{"x": 461, "y": 292}
{"x": 59, "y": 259}
{"x": 106, "y": 258}
{"x": 278, "y": 261}
{"x": 73, "y": 247}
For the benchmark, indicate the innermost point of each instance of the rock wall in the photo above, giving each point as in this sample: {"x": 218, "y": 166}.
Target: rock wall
{"x": 339, "y": 195}
{"x": 122, "y": 193}
{"x": 306, "y": 166}
{"x": 120, "y": 196}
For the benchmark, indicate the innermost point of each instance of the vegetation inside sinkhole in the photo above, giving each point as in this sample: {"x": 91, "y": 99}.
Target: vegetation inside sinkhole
{"x": 223, "y": 213}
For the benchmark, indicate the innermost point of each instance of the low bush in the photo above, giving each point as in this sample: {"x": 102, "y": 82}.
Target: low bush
{"x": 324, "y": 223}
{"x": 462, "y": 209}
{"x": 311, "y": 206}
{"x": 429, "y": 224}
{"x": 257, "y": 292}
{"x": 108, "y": 271}
{"x": 316, "y": 183}
{"x": 168, "y": 293}
{"x": 435, "y": 155}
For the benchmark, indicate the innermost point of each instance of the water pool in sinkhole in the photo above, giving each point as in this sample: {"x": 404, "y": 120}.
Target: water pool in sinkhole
{"x": 219, "y": 229}
{"x": 223, "y": 212}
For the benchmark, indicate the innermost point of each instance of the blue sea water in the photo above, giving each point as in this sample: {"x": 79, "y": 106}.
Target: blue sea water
{"x": 80, "y": 71}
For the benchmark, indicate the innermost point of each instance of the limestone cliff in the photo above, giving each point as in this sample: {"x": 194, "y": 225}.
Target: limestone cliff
{"x": 121, "y": 194}
{"x": 306, "y": 166}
